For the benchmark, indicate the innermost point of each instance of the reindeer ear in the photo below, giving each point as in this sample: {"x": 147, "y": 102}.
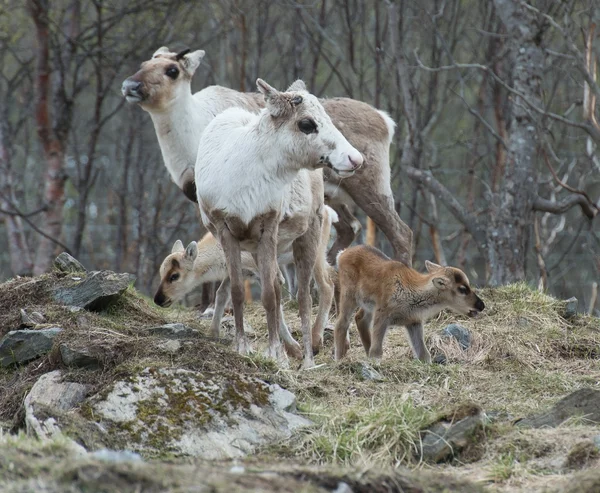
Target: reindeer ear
{"x": 177, "y": 247}
{"x": 191, "y": 252}
{"x": 163, "y": 50}
{"x": 432, "y": 267}
{"x": 440, "y": 282}
{"x": 275, "y": 102}
{"x": 267, "y": 91}
{"x": 191, "y": 61}
{"x": 297, "y": 85}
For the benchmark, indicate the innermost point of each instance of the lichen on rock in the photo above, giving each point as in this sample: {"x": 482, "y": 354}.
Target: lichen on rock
{"x": 182, "y": 412}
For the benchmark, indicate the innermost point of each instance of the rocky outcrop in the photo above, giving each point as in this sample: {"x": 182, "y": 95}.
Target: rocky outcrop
{"x": 78, "y": 357}
{"x": 20, "y": 346}
{"x": 92, "y": 291}
{"x": 65, "y": 263}
{"x": 50, "y": 393}
{"x": 206, "y": 415}
{"x": 452, "y": 435}
{"x": 584, "y": 403}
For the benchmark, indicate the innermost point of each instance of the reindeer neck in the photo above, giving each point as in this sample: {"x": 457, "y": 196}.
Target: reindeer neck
{"x": 417, "y": 295}
{"x": 179, "y": 129}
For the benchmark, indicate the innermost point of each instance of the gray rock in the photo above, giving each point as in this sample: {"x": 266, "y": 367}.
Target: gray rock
{"x": 20, "y": 346}
{"x": 596, "y": 440}
{"x": 65, "y": 263}
{"x": 440, "y": 359}
{"x": 282, "y": 399}
{"x": 228, "y": 327}
{"x": 367, "y": 372}
{"x": 342, "y": 488}
{"x": 443, "y": 441}
{"x": 208, "y": 415}
{"x": 79, "y": 358}
{"x": 94, "y": 291}
{"x": 49, "y": 393}
{"x": 173, "y": 331}
{"x": 118, "y": 456}
{"x": 570, "y": 308}
{"x": 31, "y": 319}
{"x": 460, "y": 333}
{"x": 171, "y": 346}
{"x": 582, "y": 402}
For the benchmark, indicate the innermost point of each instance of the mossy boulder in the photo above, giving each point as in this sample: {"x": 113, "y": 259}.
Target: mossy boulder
{"x": 202, "y": 414}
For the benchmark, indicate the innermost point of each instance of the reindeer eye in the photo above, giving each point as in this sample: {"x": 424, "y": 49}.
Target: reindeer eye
{"x": 172, "y": 72}
{"x": 173, "y": 277}
{"x": 463, "y": 290}
{"x": 307, "y": 126}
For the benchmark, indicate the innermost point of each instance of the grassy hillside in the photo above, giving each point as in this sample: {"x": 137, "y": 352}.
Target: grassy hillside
{"x": 524, "y": 357}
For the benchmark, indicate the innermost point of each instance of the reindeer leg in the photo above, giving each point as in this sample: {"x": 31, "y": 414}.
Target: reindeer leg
{"x": 417, "y": 342}
{"x": 326, "y": 292}
{"x": 346, "y": 309}
{"x": 380, "y": 326}
{"x": 347, "y": 229}
{"x": 291, "y": 345}
{"x": 370, "y": 189}
{"x": 233, "y": 256}
{"x": 266, "y": 257}
{"x": 220, "y": 302}
{"x": 305, "y": 252}
{"x": 363, "y": 321}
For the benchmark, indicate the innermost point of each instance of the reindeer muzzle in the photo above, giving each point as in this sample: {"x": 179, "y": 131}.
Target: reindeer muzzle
{"x": 132, "y": 90}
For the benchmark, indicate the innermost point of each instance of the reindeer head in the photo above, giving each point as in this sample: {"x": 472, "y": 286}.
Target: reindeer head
{"x": 454, "y": 289}
{"x": 177, "y": 274}
{"x": 306, "y": 130}
{"x": 162, "y": 79}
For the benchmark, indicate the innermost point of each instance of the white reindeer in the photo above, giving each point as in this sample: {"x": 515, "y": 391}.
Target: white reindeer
{"x": 184, "y": 269}
{"x": 162, "y": 87}
{"x": 252, "y": 177}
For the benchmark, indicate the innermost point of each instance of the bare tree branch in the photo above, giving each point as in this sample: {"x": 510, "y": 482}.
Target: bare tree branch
{"x": 545, "y": 205}
{"x": 470, "y": 222}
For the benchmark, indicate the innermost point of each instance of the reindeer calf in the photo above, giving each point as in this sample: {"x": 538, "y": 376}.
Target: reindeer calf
{"x": 390, "y": 293}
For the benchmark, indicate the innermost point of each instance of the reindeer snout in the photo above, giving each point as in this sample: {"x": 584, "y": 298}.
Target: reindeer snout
{"x": 356, "y": 160}
{"x": 132, "y": 90}
{"x": 159, "y": 298}
{"x": 479, "y": 304}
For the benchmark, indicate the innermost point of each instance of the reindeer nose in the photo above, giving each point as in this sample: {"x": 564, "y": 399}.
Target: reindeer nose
{"x": 356, "y": 161}
{"x": 479, "y": 305}
{"x": 130, "y": 87}
{"x": 159, "y": 298}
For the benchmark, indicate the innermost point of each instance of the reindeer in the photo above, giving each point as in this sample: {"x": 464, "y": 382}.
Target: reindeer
{"x": 184, "y": 269}
{"x": 162, "y": 87}
{"x": 390, "y": 293}
{"x": 259, "y": 186}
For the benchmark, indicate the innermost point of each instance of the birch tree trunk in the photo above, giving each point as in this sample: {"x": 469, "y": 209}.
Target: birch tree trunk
{"x": 53, "y": 146}
{"x": 512, "y": 206}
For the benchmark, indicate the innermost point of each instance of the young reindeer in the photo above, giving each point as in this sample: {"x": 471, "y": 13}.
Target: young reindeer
{"x": 162, "y": 87}
{"x": 252, "y": 178}
{"x": 390, "y": 293}
{"x": 184, "y": 269}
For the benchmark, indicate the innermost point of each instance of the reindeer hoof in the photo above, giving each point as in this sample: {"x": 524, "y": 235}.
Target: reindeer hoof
{"x": 277, "y": 353}
{"x": 316, "y": 347}
{"x": 242, "y": 346}
{"x": 308, "y": 363}
{"x": 293, "y": 349}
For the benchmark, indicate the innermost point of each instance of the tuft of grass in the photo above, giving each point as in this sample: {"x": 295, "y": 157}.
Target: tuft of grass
{"x": 503, "y": 469}
{"x": 381, "y": 430}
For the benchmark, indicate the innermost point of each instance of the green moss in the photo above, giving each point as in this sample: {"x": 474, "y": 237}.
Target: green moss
{"x": 189, "y": 399}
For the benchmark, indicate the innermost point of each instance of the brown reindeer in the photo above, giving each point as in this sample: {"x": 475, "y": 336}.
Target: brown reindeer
{"x": 390, "y": 293}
